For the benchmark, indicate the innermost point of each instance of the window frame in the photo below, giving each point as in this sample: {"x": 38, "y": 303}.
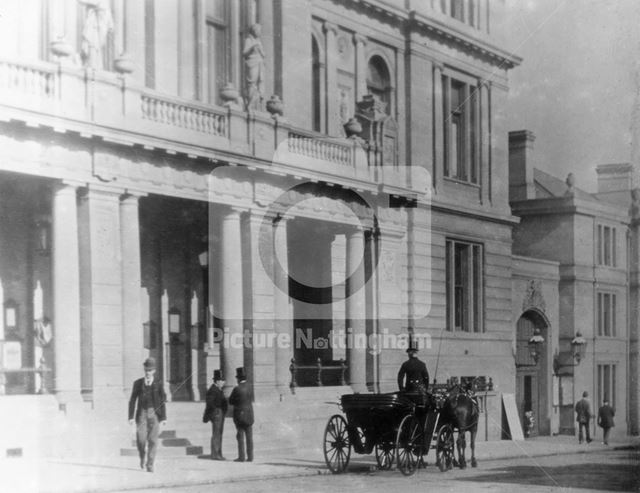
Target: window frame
{"x": 606, "y": 245}
{"x": 606, "y": 383}
{"x": 464, "y": 279}
{"x": 606, "y": 306}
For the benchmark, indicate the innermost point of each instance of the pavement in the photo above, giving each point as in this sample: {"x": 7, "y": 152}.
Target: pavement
{"x": 89, "y": 474}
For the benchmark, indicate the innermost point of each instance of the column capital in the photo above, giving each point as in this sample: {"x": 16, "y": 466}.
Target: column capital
{"x": 359, "y": 39}
{"x": 437, "y": 65}
{"x": 486, "y": 83}
{"x": 330, "y": 27}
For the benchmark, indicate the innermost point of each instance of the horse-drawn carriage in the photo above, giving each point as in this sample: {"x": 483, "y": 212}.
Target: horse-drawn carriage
{"x": 401, "y": 427}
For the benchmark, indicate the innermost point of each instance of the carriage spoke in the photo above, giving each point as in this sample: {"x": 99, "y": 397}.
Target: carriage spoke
{"x": 337, "y": 447}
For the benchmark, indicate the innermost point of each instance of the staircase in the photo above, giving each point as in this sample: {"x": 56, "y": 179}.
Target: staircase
{"x": 170, "y": 445}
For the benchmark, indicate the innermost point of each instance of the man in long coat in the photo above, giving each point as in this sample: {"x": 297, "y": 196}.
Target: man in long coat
{"x": 413, "y": 375}
{"x": 215, "y": 412}
{"x": 605, "y": 420}
{"x": 148, "y": 401}
{"x": 240, "y": 399}
{"x": 583, "y": 416}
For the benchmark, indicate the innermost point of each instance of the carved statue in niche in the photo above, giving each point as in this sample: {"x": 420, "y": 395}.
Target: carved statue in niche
{"x": 533, "y": 297}
{"x": 97, "y": 24}
{"x": 253, "y": 54}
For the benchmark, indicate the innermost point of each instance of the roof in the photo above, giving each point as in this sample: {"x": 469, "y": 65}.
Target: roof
{"x": 548, "y": 186}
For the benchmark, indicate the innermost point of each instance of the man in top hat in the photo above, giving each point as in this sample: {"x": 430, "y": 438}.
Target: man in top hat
{"x": 413, "y": 375}
{"x": 605, "y": 419}
{"x": 148, "y": 401}
{"x": 215, "y": 411}
{"x": 240, "y": 399}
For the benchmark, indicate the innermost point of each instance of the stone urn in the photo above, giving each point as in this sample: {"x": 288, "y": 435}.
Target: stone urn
{"x": 352, "y": 127}
{"x": 123, "y": 64}
{"x": 61, "y": 48}
{"x": 229, "y": 93}
{"x": 275, "y": 106}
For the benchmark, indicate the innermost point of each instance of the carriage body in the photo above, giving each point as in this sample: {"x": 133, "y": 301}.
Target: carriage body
{"x": 399, "y": 426}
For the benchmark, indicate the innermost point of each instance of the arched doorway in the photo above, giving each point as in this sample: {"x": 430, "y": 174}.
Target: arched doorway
{"x": 531, "y": 375}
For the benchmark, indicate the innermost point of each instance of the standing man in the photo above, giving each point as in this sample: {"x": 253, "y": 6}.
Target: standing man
{"x": 148, "y": 401}
{"x": 583, "y": 415}
{"x": 240, "y": 399}
{"x": 413, "y": 375}
{"x": 215, "y": 411}
{"x": 605, "y": 420}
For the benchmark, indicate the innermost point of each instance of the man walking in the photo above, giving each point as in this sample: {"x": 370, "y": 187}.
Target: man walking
{"x": 148, "y": 402}
{"x": 215, "y": 411}
{"x": 605, "y": 420}
{"x": 240, "y": 399}
{"x": 583, "y": 415}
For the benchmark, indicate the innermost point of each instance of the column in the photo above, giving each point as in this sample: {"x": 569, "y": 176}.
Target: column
{"x": 134, "y": 37}
{"x": 132, "y": 331}
{"x": 332, "y": 78}
{"x": 438, "y": 127}
{"x": 281, "y": 305}
{"x": 356, "y": 310}
{"x": 485, "y": 141}
{"x": 634, "y": 328}
{"x": 361, "y": 66}
{"x": 66, "y": 293}
{"x": 231, "y": 294}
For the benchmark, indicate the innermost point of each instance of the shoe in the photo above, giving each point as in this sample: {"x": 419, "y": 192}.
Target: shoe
{"x": 150, "y": 467}
{"x": 238, "y": 460}
{"x": 589, "y": 440}
{"x": 142, "y": 463}
{"x": 249, "y": 460}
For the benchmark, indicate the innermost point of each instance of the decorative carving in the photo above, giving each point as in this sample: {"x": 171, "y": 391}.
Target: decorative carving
{"x": 634, "y": 210}
{"x": 571, "y": 182}
{"x": 253, "y": 54}
{"x": 387, "y": 265}
{"x": 97, "y": 24}
{"x": 190, "y": 117}
{"x": 533, "y": 297}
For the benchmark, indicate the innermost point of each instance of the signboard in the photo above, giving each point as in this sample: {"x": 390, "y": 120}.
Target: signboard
{"x": 513, "y": 420}
{"x": 11, "y": 355}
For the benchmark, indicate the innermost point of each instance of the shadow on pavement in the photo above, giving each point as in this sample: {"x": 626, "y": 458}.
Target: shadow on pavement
{"x": 607, "y": 477}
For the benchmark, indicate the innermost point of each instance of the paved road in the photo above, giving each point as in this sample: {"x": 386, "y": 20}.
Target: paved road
{"x": 598, "y": 471}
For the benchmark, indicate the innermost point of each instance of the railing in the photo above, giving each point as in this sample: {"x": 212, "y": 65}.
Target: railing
{"x": 316, "y": 371}
{"x": 187, "y": 116}
{"x": 41, "y": 371}
{"x": 27, "y": 80}
{"x": 320, "y": 148}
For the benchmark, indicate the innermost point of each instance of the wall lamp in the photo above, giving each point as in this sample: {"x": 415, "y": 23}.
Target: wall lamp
{"x": 535, "y": 348}
{"x": 568, "y": 360}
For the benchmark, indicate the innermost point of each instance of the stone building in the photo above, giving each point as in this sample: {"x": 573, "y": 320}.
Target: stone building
{"x": 180, "y": 184}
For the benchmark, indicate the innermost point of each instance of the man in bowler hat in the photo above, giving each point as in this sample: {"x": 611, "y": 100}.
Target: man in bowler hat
{"x": 583, "y": 415}
{"x": 148, "y": 401}
{"x": 240, "y": 399}
{"x": 215, "y": 411}
{"x": 605, "y": 420}
{"x": 413, "y": 375}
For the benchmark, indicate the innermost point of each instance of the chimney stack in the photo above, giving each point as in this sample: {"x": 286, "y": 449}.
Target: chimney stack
{"x": 521, "y": 165}
{"x": 615, "y": 182}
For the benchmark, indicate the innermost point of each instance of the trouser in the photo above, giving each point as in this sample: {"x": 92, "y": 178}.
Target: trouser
{"x": 217, "y": 428}
{"x": 243, "y": 432}
{"x": 586, "y": 428}
{"x": 147, "y": 429}
{"x": 605, "y": 435}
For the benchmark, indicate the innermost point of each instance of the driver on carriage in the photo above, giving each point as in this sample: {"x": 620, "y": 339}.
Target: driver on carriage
{"x": 413, "y": 375}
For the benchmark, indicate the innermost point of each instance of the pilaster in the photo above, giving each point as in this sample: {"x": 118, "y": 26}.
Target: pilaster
{"x": 356, "y": 310}
{"x": 331, "y": 30}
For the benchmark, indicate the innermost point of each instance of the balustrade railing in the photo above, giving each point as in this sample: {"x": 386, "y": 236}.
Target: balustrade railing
{"x": 190, "y": 117}
{"x": 301, "y": 373}
{"x": 320, "y": 148}
{"x": 27, "y": 79}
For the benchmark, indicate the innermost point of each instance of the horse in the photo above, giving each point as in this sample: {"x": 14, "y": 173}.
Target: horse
{"x": 462, "y": 412}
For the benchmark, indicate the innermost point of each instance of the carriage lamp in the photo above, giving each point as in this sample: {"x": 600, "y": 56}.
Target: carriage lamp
{"x": 535, "y": 345}
{"x": 578, "y": 347}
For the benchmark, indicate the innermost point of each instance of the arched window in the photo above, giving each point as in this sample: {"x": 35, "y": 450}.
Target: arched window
{"x": 379, "y": 81}
{"x": 316, "y": 119}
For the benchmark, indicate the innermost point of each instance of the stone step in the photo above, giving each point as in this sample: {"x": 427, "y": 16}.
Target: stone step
{"x": 167, "y": 451}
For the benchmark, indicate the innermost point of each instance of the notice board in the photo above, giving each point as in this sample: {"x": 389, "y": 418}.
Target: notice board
{"x": 513, "y": 420}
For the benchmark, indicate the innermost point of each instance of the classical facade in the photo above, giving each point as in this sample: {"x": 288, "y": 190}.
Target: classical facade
{"x": 264, "y": 184}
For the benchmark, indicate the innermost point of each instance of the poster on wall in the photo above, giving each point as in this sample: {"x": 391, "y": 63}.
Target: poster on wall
{"x": 556, "y": 391}
{"x": 566, "y": 391}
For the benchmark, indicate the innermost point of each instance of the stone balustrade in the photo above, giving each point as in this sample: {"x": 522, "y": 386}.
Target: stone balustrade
{"x": 113, "y": 107}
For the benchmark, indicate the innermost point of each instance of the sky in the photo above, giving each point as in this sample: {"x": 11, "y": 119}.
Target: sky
{"x": 576, "y": 87}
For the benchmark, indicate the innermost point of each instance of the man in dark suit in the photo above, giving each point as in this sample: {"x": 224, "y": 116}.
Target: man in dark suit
{"x": 413, "y": 375}
{"x": 240, "y": 399}
{"x": 215, "y": 411}
{"x": 148, "y": 401}
{"x": 605, "y": 420}
{"x": 583, "y": 415}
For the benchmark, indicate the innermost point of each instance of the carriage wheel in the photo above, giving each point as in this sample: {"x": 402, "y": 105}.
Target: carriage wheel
{"x": 409, "y": 445}
{"x": 445, "y": 448}
{"x": 336, "y": 446}
{"x": 384, "y": 455}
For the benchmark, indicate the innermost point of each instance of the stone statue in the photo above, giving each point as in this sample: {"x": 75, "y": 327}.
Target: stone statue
{"x": 253, "y": 54}
{"x": 97, "y": 24}
{"x": 634, "y": 210}
{"x": 571, "y": 183}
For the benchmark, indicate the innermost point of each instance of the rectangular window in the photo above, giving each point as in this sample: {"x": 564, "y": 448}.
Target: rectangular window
{"x": 606, "y": 314}
{"x": 606, "y": 246}
{"x": 460, "y": 130}
{"x": 606, "y": 384}
{"x": 218, "y": 48}
{"x": 463, "y": 10}
{"x": 464, "y": 286}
